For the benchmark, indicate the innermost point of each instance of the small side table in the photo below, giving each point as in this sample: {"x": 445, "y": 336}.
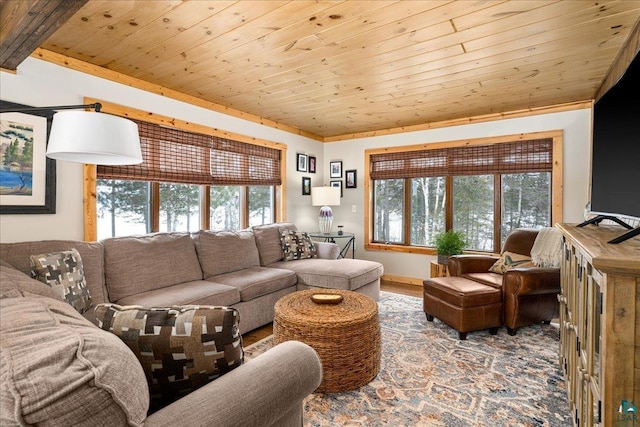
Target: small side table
{"x": 331, "y": 237}
{"x": 438, "y": 270}
{"x": 345, "y": 335}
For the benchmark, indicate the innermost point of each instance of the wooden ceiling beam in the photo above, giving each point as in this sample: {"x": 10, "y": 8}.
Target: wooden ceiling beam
{"x": 27, "y": 24}
{"x": 629, "y": 50}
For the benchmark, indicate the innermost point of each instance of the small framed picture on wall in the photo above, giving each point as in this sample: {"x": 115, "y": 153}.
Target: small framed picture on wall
{"x": 337, "y": 184}
{"x": 351, "y": 178}
{"x": 306, "y": 186}
{"x": 312, "y": 164}
{"x": 301, "y": 164}
{"x": 335, "y": 169}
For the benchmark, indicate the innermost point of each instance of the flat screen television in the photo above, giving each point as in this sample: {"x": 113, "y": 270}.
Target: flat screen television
{"x": 615, "y": 161}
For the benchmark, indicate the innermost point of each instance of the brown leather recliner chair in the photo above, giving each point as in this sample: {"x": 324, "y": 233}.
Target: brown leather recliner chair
{"x": 529, "y": 294}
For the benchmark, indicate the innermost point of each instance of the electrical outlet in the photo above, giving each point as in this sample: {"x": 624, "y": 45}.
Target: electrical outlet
{"x": 353, "y": 208}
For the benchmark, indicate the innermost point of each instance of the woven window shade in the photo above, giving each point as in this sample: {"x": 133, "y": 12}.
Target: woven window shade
{"x": 173, "y": 155}
{"x": 510, "y": 157}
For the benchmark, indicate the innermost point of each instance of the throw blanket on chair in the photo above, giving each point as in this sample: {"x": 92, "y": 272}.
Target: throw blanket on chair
{"x": 547, "y": 248}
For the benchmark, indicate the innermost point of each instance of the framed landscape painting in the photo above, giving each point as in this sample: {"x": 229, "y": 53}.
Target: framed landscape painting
{"x": 27, "y": 176}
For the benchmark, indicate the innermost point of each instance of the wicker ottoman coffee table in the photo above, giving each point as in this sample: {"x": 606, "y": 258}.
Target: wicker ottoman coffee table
{"x": 345, "y": 335}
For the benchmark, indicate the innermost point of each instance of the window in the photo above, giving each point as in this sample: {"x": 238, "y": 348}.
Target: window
{"x": 123, "y": 207}
{"x": 427, "y": 209}
{"x": 482, "y": 188}
{"x": 526, "y": 201}
{"x": 179, "y": 207}
{"x": 183, "y": 175}
{"x": 389, "y": 210}
{"x": 261, "y": 205}
{"x": 224, "y": 212}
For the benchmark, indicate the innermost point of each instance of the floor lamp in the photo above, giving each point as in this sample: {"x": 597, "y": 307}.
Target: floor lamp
{"x": 90, "y": 136}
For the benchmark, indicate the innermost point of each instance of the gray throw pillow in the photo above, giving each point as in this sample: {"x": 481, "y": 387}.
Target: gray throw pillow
{"x": 63, "y": 271}
{"x": 296, "y": 245}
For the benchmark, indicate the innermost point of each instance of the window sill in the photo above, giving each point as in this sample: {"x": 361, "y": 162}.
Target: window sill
{"x": 381, "y": 247}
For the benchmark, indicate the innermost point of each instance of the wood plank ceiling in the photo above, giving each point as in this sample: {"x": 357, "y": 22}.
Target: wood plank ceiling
{"x": 332, "y": 68}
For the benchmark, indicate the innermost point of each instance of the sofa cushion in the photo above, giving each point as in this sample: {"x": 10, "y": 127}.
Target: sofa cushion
{"x": 139, "y": 264}
{"x": 257, "y": 281}
{"x": 59, "y": 369}
{"x": 63, "y": 271}
{"x": 488, "y": 278}
{"x": 19, "y": 255}
{"x": 296, "y": 245}
{"x": 4, "y": 263}
{"x": 349, "y": 274}
{"x": 11, "y": 279}
{"x": 218, "y": 251}
{"x": 197, "y": 292}
{"x": 509, "y": 261}
{"x": 181, "y": 348}
{"x": 268, "y": 241}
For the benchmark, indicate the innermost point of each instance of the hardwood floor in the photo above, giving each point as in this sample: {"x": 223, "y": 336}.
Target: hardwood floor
{"x": 401, "y": 288}
{"x": 257, "y": 334}
{"x": 398, "y": 288}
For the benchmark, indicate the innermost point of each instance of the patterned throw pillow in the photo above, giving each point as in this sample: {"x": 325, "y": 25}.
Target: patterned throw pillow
{"x": 180, "y": 348}
{"x": 509, "y": 261}
{"x": 64, "y": 273}
{"x": 296, "y": 245}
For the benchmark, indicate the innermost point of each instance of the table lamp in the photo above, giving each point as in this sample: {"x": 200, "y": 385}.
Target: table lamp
{"x": 325, "y": 197}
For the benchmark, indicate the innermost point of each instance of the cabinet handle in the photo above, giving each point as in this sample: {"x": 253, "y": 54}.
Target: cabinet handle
{"x": 583, "y": 373}
{"x": 568, "y": 325}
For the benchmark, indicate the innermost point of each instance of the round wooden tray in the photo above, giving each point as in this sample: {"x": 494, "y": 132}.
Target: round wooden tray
{"x": 327, "y": 298}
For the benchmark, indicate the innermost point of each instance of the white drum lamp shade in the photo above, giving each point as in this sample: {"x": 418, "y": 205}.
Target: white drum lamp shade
{"x": 95, "y": 138}
{"x": 325, "y": 197}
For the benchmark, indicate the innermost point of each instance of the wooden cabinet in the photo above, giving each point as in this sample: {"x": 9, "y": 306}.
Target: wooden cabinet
{"x": 599, "y": 318}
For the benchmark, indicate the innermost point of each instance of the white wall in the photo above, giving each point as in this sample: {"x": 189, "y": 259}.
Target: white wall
{"x": 39, "y": 83}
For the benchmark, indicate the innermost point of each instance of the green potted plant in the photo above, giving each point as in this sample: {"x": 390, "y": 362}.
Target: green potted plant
{"x": 449, "y": 243}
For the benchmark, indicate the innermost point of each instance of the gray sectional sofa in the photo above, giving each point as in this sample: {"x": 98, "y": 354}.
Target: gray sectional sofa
{"x": 243, "y": 269}
{"x": 58, "y": 368}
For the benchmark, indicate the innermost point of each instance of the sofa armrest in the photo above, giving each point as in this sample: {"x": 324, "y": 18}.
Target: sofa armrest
{"x": 463, "y": 264}
{"x": 327, "y": 250}
{"x": 531, "y": 281}
{"x": 260, "y": 392}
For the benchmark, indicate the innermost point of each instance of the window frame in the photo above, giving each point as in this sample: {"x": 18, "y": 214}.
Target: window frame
{"x": 90, "y": 171}
{"x": 556, "y": 187}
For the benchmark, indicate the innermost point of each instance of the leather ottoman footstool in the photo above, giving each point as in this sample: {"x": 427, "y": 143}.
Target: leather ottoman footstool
{"x": 463, "y": 304}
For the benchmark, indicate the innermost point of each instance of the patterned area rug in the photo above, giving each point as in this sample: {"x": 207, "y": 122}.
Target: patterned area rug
{"x": 430, "y": 378}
